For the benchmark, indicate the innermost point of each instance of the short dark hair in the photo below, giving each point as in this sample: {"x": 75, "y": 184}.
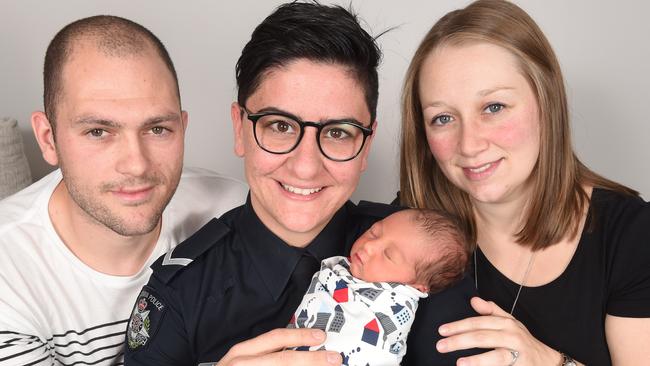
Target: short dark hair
{"x": 114, "y": 36}
{"x": 449, "y": 264}
{"x": 312, "y": 31}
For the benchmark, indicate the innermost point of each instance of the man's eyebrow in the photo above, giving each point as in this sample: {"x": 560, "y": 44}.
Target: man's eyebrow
{"x": 92, "y": 120}
{"x": 171, "y": 117}
{"x": 98, "y": 121}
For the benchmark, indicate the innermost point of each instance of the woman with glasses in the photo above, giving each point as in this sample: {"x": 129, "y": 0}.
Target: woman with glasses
{"x": 303, "y": 123}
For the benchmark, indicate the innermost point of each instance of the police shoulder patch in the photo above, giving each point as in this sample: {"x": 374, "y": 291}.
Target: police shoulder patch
{"x": 145, "y": 318}
{"x": 169, "y": 265}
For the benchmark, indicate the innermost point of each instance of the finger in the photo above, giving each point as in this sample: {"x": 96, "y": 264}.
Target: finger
{"x": 277, "y": 340}
{"x": 499, "y": 356}
{"x": 488, "y": 307}
{"x": 478, "y": 339}
{"x": 290, "y": 358}
{"x": 477, "y": 323}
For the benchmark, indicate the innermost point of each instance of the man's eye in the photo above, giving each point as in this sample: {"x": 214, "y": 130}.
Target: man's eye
{"x": 158, "y": 130}
{"x": 96, "y": 132}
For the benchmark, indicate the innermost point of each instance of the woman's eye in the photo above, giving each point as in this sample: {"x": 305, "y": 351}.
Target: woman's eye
{"x": 442, "y": 119}
{"x": 282, "y": 127}
{"x": 337, "y": 134}
{"x": 494, "y": 108}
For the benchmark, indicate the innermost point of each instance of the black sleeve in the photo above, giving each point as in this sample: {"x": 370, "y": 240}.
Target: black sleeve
{"x": 396, "y": 201}
{"x": 444, "y": 307}
{"x": 155, "y": 334}
{"x": 627, "y": 236}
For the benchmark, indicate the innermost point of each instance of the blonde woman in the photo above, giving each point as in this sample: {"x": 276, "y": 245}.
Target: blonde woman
{"x": 562, "y": 254}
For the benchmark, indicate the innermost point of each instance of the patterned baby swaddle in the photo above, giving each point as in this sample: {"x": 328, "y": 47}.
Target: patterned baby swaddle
{"x": 367, "y": 322}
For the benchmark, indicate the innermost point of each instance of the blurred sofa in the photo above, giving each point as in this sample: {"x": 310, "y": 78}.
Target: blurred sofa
{"x": 14, "y": 168}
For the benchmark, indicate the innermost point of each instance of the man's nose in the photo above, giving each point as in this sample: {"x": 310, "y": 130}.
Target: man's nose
{"x": 133, "y": 156}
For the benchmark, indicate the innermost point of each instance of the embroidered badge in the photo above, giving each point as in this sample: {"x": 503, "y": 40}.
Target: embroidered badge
{"x": 145, "y": 317}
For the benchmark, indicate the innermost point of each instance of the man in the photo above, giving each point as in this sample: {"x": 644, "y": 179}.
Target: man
{"x": 75, "y": 247}
{"x": 303, "y": 122}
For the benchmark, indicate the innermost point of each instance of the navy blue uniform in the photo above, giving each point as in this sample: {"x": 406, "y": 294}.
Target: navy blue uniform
{"x": 231, "y": 282}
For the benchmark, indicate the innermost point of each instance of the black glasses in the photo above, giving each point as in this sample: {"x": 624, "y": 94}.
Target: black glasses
{"x": 279, "y": 133}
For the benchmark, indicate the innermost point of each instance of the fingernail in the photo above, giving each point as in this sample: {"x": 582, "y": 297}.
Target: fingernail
{"x": 334, "y": 358}
{"x": 462, "y": 362}
{"x": 443, "y": 330}
{"x": 318, "y": 335}
{"x": 441, "y": 346}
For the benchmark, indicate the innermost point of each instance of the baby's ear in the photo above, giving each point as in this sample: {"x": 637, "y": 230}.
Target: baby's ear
{"x": 420, "y": 287}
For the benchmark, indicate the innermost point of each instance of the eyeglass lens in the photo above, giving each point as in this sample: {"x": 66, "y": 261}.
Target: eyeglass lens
{"x": 280, "y": 134}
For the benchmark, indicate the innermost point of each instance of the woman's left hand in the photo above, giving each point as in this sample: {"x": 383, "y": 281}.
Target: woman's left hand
{"x": 495, "y": 328}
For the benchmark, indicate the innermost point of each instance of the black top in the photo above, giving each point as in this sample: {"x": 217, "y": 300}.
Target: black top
{"x": 608, "y": 274}
{"x": 237, "y": 286}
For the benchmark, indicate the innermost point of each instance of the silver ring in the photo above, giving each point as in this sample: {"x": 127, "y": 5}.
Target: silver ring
{"x": 515, "y": 356}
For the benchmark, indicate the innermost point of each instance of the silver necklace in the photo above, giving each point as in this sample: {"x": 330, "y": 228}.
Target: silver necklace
{"x": 523, "y": 280}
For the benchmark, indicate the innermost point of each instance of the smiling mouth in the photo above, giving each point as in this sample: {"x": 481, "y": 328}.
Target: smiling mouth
{"x": 301, "y": 191}
{"x": 481, "y": 169}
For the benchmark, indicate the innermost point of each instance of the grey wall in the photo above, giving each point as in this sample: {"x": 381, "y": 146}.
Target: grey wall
{"x": 603, "y": 47}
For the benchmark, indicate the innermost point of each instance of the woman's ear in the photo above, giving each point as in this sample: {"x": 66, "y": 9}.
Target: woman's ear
{"x": 237, "y": 127}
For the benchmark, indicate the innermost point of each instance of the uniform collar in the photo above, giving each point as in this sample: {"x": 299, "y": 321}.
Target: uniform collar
{"x": 274, "y": 259}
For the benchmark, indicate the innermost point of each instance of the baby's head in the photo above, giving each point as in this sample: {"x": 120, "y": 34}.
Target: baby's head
{"x": 425, "y": 249}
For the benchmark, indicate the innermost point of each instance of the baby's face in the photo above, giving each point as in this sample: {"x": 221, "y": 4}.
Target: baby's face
{"x": 389, "y": 251}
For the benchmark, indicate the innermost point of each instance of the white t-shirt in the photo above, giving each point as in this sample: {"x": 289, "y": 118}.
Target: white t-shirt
{"x": 54, "y": 309}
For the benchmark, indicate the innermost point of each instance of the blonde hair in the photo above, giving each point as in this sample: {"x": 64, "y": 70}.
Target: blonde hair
{"x": 558, "y": 197}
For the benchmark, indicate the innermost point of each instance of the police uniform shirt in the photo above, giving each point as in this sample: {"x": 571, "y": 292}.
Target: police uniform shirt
{"x": 231, "y": 281}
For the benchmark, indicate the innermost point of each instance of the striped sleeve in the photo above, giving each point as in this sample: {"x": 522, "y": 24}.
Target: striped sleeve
{"x": 23, "y": 349}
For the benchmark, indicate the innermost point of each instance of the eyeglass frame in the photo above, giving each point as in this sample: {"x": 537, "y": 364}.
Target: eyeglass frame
{"x": 254, "y": 117}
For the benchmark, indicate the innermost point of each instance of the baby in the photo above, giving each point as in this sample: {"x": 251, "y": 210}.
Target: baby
{"x": 367, "y": 303}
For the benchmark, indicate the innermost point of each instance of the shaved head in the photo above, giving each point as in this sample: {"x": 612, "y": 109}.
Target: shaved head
{"x": 112, "y": 36}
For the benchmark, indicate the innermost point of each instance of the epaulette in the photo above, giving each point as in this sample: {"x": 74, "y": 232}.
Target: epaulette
{"x": 167, "y": 266}
{"x": 376, "y": 209}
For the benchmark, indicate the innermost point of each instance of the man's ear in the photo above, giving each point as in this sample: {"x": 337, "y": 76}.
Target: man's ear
{"x": 366, "y": 147}
{"x": 238, "y": 128}
{"x": 44, "y": 134}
